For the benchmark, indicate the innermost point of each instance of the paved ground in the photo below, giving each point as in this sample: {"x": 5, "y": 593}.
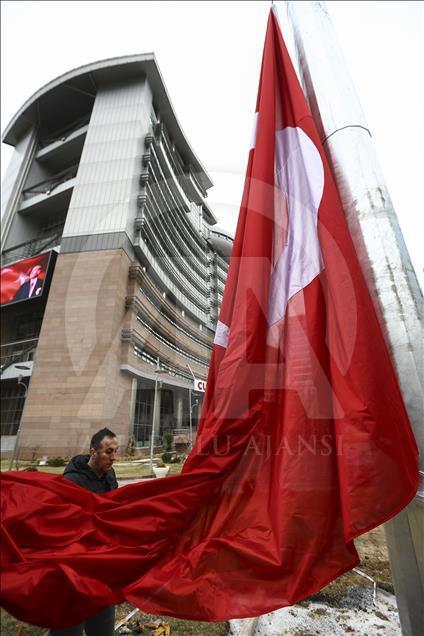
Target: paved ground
{"x": 355, "y": 614}
{"x": 125, "y": 482}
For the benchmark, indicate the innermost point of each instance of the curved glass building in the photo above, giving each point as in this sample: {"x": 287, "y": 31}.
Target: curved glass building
{"x": 113, "y": 268}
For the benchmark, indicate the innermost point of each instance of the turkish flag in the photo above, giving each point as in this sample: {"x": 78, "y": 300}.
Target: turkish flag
{"x": 304, "y": 441}
{"x": 297, "y": 323}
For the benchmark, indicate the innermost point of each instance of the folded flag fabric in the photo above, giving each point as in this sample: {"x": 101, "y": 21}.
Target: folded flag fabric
{"x": 304, "y": 441}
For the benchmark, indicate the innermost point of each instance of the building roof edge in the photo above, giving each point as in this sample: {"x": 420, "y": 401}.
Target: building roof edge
{"x": 141, "y": 62}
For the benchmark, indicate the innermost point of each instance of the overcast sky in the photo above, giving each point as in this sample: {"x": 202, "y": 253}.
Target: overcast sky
{"x": 209, "y": 54}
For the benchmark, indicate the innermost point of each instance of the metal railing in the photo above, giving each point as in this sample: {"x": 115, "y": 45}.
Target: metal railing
{"x": 18, "y": 351}
{"x": 65, "y": 132}
{"x": 31, "y": 248}
{"x": 48, "y": 185}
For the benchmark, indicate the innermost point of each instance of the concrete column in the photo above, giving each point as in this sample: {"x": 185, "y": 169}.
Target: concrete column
{"x": 157, "y": 397}
{"x": 179, "y": 408}
{"x": 13, "y": 227}
{"x": 131, "y": 414}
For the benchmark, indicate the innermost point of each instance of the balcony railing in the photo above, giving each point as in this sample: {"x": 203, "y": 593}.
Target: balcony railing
{"x": 64, "y": 133}
{"x": 49, "y": 185}
{"x": 18, "y": 351}
{"x": 31, "y": 248}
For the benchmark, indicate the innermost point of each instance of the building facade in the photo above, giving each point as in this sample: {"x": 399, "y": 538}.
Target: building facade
{"x": 104, "y": 186}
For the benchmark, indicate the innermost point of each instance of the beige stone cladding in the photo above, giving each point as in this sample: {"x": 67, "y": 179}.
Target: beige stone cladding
{"x": 77, "y": 386}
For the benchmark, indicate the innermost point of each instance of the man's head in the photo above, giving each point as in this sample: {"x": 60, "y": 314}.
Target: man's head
{"x": 103, "y": 451}
{"x": 36, "y": 271}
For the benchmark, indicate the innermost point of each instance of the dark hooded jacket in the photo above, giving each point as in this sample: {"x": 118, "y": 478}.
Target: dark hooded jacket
{"x": 80, "y": 473}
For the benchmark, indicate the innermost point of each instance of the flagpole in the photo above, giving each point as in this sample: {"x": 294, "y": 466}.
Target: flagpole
{"x": 380, "y": 245}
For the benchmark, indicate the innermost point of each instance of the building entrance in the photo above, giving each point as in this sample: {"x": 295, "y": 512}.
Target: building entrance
{"x": 172, "y": 411}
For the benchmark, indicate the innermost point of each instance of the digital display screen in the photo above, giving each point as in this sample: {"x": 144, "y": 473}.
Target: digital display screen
{"x": 24, "y": 280}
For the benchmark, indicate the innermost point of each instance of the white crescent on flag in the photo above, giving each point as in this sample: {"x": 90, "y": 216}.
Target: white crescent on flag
{"x": 299, "y": 174}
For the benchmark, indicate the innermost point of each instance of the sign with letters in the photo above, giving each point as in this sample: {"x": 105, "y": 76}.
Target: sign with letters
{"x": 199, "y": 385}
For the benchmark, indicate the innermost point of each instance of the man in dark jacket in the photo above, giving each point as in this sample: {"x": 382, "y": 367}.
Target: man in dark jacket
{"x": 94, "y": 472}
{"x": 32, "y": 286}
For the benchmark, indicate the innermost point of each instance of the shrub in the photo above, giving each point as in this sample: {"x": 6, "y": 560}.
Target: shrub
{"x": 131, "y": 446}
{"x": 167, "y": 439}
{"x": 57, "y": 461}
{"x": 166, "y": 457}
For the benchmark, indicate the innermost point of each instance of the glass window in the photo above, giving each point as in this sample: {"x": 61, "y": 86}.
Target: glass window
{"x": 11, "y": 406}
{"x": 143, "y": 416}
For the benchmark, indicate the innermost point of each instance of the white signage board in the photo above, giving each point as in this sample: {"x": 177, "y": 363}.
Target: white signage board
{"x": 199, "y": 385}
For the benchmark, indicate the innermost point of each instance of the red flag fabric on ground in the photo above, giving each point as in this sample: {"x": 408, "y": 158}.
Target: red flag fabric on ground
{"x": 304, "y": 441}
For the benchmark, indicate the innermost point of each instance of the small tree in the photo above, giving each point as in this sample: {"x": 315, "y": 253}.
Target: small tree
{"x": 131, "y": 446}
{"x": 168, "y": 439}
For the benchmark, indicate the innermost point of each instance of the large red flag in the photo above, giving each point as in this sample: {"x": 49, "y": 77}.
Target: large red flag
{"x": 304, "y": 441}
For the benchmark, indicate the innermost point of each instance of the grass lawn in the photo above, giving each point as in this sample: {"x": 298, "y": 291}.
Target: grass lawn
{"x": 10, "y": 626}
{"x": 130, "y": 470}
